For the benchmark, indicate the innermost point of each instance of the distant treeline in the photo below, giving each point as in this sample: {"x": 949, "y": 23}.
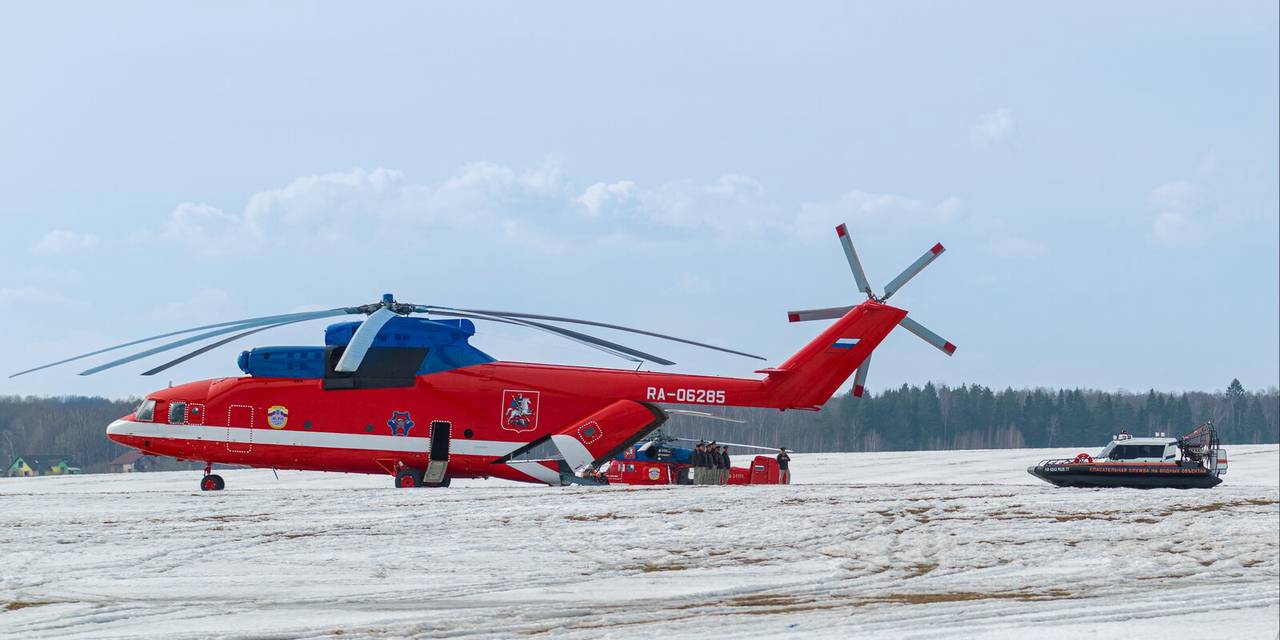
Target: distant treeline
{"x": 71, "y": 426}
{"x": 907, "y": 418}
{"x": 975, "y": 417}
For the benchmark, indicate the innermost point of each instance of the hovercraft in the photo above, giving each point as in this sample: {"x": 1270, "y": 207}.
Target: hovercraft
{"x": 1193, "y": 461}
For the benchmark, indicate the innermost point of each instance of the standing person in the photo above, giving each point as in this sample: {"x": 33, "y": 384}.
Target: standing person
{"x": 700, "y": 463}
{"x": 728, "y": 464}
{"x": 784, "y": 472}
{"x": 713, "y": 464}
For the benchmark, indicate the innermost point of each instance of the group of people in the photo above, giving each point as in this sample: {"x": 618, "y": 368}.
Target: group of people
{"x": 710, "y": 463}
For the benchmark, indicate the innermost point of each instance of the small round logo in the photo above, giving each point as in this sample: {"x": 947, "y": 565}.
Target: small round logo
{"x": 277, "y": 416}
{"x": 654, "y": 473}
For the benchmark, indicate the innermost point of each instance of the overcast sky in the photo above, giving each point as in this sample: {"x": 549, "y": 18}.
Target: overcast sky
{"x": 1103, "y": 175}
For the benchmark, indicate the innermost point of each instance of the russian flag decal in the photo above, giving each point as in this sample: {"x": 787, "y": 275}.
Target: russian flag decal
{"x": 845, "y": 343}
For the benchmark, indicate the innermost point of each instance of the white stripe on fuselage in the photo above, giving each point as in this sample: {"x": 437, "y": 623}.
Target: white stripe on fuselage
{"x": 294, "y": 438}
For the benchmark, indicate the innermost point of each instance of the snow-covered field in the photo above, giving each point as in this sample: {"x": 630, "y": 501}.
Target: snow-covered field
{"x": 892, "y": 545}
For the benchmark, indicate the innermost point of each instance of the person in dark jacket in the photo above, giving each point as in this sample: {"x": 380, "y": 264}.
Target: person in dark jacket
{"x": 728, "y": 464}
{"x": 700, "y": 463}
{"x": 784, "y": 472}
{"x": 713, "y": 463}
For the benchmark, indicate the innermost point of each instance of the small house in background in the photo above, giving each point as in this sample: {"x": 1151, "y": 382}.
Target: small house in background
{"x": 40, "y": 465}
{"x": 129, "y": 461}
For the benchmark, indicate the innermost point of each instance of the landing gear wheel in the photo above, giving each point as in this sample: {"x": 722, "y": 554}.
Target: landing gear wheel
{"x": 212, "y": 482}
{"x": 408, "y": 479}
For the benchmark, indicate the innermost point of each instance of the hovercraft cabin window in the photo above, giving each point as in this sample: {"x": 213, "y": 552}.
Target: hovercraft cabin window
{"x": 1136, "y": 451}
{"x": 381, "y": 368}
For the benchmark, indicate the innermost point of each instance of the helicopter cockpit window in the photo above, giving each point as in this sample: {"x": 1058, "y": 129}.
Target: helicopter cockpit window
{"x": 177, "y": 413}
{"x": 146, "y": 411}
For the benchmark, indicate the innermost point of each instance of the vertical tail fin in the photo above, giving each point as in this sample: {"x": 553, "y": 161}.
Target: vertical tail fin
{"x": 811, "y": 376}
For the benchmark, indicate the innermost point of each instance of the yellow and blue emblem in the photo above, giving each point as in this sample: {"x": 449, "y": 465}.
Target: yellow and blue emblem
{"x": 277, "y": 416}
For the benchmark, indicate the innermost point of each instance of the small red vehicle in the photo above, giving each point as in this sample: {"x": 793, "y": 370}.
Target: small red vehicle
{"x": 659, "y": 461}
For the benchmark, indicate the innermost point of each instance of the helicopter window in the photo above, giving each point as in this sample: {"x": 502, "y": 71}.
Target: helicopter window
{"x": 177, "y": 413}
{"x": 146, "y": 411}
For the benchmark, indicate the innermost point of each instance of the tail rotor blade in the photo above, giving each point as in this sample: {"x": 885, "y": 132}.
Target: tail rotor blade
{"x": 927, "y": 335}
{"x": 911, "y": 271}
{"x": 860, "y": 379}
{"x": 856, "y": 265}
{"x": 362, "y": 340}
{"x": 805, "y": 315}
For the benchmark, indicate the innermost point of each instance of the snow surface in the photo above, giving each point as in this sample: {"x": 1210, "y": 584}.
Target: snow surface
{"x": 891, "y": 545}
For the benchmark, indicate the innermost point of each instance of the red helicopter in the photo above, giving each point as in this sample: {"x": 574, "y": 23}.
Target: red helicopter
{"x": 410, "y": 397}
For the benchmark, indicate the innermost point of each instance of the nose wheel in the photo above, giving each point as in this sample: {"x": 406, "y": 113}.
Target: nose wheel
{"x": 211, "y": 481}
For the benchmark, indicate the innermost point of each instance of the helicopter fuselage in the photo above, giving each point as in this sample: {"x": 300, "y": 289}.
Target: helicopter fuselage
{"x": 491, "y": 415}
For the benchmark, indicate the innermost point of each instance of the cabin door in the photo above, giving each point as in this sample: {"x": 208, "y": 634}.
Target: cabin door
{"x": 240, "y": 428}
{"x": 438, "y": 459}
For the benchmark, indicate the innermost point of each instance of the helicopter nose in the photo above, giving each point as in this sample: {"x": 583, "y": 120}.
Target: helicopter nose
{"x": 118, "y": 430}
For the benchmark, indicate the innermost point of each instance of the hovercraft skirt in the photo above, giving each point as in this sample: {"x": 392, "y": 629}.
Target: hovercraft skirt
{"x": 1133, "y": 476}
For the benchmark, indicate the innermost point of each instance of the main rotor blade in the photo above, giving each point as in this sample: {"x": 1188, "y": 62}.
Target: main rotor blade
{"x": 927, "y": 335}
{"x": 535, "y": 316}
{"x": 703, "y": 414}
{"x": 735, "y": 444}
{"x": 860, "y": 379}
{"x": 363, "y": 338}
{"x": 911, "y": 271}
{"x": 612, "y": 348}
{"x": 829, "y": 313}
{"x": 298, "y": 317}
{"x": 275, "y": 318}
{"x": 856, "y": 265}
{"x": 212, "y": 346}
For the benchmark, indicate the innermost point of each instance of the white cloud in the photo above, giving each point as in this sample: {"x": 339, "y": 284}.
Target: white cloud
{"x": 61, "y": 241}
{"x": 880, "y": 209}
{"x": 1012, "y": 247}
{"x": 1178, "y": 207}
{"x": 992, "y": 127}
{"x": 334, "y": 210}
{"x": 538, "y": 208}
{"x": 600, "y": 195}
{"x": 730, "y": 204}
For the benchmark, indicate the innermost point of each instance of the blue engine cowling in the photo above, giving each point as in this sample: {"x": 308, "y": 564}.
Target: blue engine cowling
{"x": 445, "y": 342}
